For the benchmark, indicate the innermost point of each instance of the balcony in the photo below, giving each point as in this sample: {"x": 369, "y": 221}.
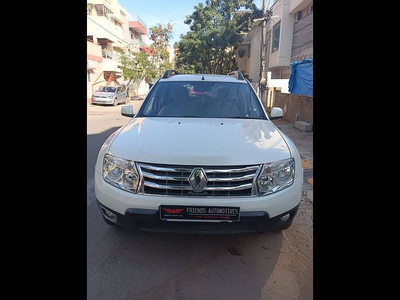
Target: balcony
{"x": 111, "y": 61}
{"x": 111, "y": 55}
{"x": 136, "y": 40}
{"x": 138, "y": 25}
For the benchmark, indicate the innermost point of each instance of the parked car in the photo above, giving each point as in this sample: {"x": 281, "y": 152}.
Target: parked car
{"x": 110, "y": 95}
{"x": 201, "y": 155}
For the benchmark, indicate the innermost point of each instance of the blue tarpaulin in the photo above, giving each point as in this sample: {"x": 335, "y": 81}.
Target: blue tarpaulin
{"x": 301, "y": 77}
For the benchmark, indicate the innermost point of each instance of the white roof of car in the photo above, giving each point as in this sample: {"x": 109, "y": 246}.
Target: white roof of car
{"x": 198, "y": 77}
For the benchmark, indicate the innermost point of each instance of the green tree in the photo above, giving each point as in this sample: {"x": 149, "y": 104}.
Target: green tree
{"x": 161, "y": 36}
{"x": 216, "y": 30}
{"x": 135, "y": 65}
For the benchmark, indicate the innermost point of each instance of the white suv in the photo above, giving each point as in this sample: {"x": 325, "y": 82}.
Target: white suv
{"x": 201, "y": 155}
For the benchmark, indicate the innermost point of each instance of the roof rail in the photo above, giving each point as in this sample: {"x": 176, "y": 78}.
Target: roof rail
{"x": 237, "y": 74}
{"x": 169, "y": 73}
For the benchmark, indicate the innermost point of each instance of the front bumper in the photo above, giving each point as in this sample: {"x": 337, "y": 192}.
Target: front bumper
{"x": 102, "y": 101}
{"x": 142, "y": 211}
{"x": 275, "y": 204}
{"x": 149, "y": 220}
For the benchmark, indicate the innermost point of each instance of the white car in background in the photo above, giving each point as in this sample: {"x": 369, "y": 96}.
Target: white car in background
{"x": 110, "y": 95}
{"x": 201, "y": 155}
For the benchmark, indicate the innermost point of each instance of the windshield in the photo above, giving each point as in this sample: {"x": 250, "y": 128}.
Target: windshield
{"x": 200, "y": 99}
{"x": 107, "y": 89}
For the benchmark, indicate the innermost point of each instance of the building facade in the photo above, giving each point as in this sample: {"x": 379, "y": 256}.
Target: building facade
{"x": 94, "y": 66}
{"x": 112, "y": 27}
{"x": 291, "y": 39}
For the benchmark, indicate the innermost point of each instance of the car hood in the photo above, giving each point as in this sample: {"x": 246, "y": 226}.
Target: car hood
{"x": 184, "y": 141}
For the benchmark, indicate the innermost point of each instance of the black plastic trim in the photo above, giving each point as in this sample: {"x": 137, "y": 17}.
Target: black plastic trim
{"x": 250, "y": 221}
{"x": 169, "y": 73}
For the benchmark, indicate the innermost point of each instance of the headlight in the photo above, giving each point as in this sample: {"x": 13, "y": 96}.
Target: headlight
{"x": 121, "y": 173}
{"x": 110, "y": 97}
{"x": 276, "y": 176}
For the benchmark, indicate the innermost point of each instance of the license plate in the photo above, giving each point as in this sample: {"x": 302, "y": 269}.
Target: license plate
{"x": 199, "y": 213}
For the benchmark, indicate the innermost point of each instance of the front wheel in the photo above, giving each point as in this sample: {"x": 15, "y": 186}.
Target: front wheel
{"x": 115, "y": 102}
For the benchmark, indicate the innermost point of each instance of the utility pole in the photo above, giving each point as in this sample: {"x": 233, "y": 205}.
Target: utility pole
{"x": 264, "y": 59}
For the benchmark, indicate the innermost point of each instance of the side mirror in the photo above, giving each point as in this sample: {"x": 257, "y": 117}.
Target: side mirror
{"x": 276, "y": 113}
{"x": 127, "y": 111}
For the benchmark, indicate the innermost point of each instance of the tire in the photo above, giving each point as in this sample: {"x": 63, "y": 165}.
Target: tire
{"x": 115, "y": 102}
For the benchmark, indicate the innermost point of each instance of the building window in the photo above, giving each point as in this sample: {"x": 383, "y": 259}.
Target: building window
{"x": 117, "y": 23}
{"x": 102, "y": 10}
{"x": 298, "y": 15}
{"x": 88, "y": 75}
{"x": 99, "y": 9}
{"x": 309, "y": 10}
{"x": 276, "y": 31}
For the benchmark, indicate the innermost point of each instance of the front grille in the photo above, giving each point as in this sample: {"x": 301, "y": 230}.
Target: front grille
{"x": 172, "y": 180}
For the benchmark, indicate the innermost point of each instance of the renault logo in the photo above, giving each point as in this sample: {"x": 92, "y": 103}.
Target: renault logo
{"x": 198, "y": 179}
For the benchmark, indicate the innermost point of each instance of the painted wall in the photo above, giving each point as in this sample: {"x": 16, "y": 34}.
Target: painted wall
{"x": 296, "y": 5}
{"x": 94, "y": 59}
{"x": 294, "y": 104}
{"x": 125, "y": 31}
{"x": 283, "y": 84}
{"x": 302, "y": 43}
{"x": 104, "y": 27}
{"x": 281, "y": 57}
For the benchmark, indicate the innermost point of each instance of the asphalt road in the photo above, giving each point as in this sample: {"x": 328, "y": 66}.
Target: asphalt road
{"x": 140, "y": 265}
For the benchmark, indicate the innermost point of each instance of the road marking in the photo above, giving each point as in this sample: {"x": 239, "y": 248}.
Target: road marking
{"x": 306, "y": 164}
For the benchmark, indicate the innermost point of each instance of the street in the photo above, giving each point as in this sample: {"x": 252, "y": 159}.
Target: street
{"x": 143, "y": 265}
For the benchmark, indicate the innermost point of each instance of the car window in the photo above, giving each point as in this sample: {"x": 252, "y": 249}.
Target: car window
{"x": 202, "y": 100}
{"x": 108, "y": 89}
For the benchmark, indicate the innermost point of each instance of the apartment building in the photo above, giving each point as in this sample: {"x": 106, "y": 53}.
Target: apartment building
{"x": 291, "y": 35}
{"x": 112, "y": 27}
{"x": 291, "y": 39}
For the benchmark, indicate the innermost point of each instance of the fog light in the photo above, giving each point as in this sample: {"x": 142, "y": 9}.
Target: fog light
{"x": 285, "y": 217}
{"x": 109, "y": 214}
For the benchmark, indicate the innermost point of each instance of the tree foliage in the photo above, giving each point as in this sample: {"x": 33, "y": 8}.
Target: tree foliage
{"x": 216, "y": 30}
{"x": 135, "y": 65}
{"x": 161, "y": 36}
